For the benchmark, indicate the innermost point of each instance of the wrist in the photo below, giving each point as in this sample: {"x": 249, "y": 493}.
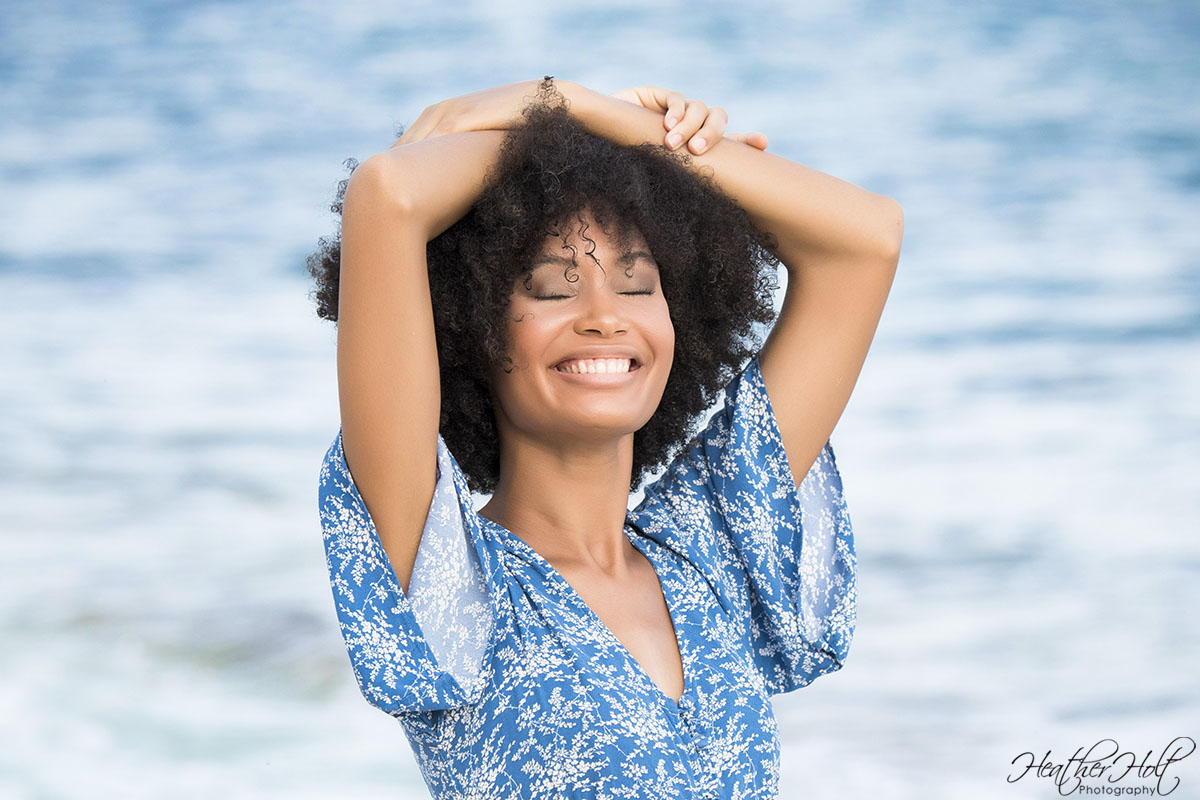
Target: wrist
{"x": 611, "y": 118}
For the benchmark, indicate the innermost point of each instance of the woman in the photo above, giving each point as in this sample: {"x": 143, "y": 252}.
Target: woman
{"x": 533, "y": 301}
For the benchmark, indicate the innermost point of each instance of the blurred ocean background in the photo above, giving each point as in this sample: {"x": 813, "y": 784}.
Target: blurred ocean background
{"x": 1021, "y": 456}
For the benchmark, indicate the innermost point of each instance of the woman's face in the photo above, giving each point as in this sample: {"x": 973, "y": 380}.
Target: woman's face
{"x": 591, "y": 344}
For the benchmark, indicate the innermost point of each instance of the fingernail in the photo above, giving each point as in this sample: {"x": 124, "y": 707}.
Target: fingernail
{"x": 698, "y": 145}
{"x": 673, "y": 140}
{"x": 672, "y": 122}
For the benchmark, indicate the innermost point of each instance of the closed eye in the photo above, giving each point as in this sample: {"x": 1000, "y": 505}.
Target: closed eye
{"x": 568, "y": 296}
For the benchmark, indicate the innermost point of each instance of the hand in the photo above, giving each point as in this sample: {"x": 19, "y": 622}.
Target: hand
{"x": 686, "y": 120}
{"x": 491, "y": 109}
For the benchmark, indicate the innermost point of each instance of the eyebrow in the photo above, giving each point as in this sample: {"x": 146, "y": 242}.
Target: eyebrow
{"x": 624, "y": 260}
{"x": 635, "y": 256}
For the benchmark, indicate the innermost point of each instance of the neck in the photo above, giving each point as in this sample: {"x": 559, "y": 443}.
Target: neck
{"x": 566, "y": 500}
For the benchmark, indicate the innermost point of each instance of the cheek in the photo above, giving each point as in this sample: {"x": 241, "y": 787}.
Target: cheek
{"x": 663, "y": 331}
{"x": 525, "y": 331}
{"x": 527, "y": 337}
{"x": 512, "y": 396}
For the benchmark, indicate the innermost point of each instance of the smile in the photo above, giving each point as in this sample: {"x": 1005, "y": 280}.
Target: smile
{"x": 596, "y": 366}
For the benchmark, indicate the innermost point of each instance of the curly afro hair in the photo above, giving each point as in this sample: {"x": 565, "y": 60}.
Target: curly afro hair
{"x": 717, "y": 271}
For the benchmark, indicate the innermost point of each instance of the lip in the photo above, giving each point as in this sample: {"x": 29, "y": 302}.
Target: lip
{"x": 606, "y": 352}
{"x": 600, "y": 378}
{"x": 609, "y": 353}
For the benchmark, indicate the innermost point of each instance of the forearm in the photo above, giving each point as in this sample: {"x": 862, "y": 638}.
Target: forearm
{"x": 813, "y": 216}
{"x": 437, "y": 180}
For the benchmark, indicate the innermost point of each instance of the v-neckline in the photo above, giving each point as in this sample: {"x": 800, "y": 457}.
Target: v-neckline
{"x": 638, "y": 541}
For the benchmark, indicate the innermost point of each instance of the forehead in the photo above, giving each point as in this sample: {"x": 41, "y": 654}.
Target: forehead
{"x": 573, "y": 242}
{"x": 584, "y": 232}
{"x": 624, "y": 260}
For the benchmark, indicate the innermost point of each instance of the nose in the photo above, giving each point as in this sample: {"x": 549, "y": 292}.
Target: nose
{"x": 601, "y": 312}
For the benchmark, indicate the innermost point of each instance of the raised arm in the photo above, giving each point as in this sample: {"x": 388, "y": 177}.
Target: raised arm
{"x": 388, "y": 380}
{"x": 840, "y": 245}
{"x": 838, "y": 242}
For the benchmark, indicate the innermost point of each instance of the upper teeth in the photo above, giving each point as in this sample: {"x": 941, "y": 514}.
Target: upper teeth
{"x": 603, "y": 365}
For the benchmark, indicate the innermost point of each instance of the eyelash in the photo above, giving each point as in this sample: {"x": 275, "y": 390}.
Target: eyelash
{"x": 567, "y": 296}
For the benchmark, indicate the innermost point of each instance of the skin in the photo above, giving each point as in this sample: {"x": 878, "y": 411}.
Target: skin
{"x": 576, "y": 431}
{"x": 565, "y": 476}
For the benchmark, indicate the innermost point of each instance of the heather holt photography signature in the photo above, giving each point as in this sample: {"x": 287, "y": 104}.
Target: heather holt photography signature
{"x": 1106, "y": 769}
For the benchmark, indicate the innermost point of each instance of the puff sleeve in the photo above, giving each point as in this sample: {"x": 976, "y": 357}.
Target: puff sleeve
{"x": 779, "y": 555}
{"x": 420, "y": 651}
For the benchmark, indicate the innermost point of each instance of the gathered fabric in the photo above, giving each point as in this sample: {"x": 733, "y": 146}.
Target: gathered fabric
{"x": 509, "y": 686}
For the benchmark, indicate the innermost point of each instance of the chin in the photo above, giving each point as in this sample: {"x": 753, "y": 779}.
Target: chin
{"x": 601, "y": 425}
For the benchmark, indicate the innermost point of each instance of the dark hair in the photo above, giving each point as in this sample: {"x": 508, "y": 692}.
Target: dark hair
{"x": 717, "y": 272}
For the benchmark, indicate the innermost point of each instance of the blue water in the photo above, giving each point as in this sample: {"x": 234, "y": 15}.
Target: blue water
{"x": 1021, "y": 456}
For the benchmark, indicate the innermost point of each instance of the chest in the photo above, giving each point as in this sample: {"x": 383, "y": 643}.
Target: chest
{"x": 636, "y": 614}
{"x": 566, "y": 690}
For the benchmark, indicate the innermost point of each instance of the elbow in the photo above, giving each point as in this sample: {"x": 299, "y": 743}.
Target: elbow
{"x": 891, "y": 232}
{"x": 379, "y": 182}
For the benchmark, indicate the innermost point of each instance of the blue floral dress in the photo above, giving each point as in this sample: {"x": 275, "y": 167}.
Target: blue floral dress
{"x": 509, "y": 686}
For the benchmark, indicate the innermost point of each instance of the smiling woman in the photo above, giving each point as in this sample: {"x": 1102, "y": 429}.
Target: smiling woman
{"x": 551, "y": 335}
{"x": 575, "y": 329}
{"x": 542, "y": 176}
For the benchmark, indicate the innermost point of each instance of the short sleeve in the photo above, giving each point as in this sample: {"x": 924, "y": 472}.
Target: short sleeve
{"x": 420, "y": 651}
{"x": 780, "y": 555}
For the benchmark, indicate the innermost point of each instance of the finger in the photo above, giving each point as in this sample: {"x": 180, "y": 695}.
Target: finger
{"x": 628, "y": 95}
{"x": 651, "y": 97}
{"x": 755, "y": 140}
{"x": 656, "y": 98}
{"x": 711, "y": 131}
{"x": 410, "y": 133}
{"x": 693, "y": 119}
{"x": 676, "y": 109}
{"x": 419, "y": 129}
{"x": 402, "y": 136}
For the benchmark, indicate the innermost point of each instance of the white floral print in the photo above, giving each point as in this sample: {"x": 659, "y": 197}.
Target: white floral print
{"x": 509, "y": 686}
